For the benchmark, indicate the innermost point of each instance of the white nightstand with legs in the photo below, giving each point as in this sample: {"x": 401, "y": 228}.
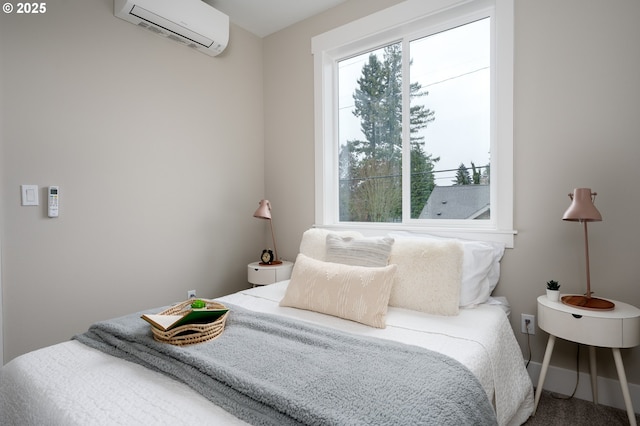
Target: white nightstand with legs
{"x": 615, "y": 329}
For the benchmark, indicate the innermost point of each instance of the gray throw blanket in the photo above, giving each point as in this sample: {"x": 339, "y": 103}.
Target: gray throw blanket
{"x": 270, "y": 370}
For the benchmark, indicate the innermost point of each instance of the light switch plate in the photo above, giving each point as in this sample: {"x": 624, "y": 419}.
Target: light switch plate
{"x": 29, "y": 195}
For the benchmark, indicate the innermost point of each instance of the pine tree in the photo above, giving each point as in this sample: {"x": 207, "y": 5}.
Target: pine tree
{"x": 371, "y": 169}
{"x": 462, "y": 176}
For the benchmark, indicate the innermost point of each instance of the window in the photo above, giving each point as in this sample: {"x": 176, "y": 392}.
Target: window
{"x": 413, "y": 126}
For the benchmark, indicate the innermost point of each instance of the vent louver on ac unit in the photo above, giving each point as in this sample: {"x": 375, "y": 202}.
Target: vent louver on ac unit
{"x": 190, "y": 22}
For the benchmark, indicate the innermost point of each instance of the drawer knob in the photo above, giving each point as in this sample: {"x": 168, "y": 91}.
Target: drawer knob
{"x": 577, "y": 316}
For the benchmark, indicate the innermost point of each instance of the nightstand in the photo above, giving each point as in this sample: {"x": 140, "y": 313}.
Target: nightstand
{"x": 268, "y": 274}
{"x": 615, "y": 329}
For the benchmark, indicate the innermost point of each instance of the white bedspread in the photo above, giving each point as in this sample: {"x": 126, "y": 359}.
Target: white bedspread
{"x": 72, "y": 384}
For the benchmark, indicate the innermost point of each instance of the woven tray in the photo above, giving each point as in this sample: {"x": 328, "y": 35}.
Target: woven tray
{"x": 189, "y": 334}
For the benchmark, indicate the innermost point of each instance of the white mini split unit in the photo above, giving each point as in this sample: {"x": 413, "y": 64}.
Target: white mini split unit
{"x": 190, "y": 22}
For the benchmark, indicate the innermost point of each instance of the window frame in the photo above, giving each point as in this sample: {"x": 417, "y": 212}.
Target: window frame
{"x": 405, "y": 22}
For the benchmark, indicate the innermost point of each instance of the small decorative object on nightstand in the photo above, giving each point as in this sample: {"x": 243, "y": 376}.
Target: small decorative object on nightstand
{"x": 615, "y": 329}
{"x": 266, "y": 258}
{"x": 553, "y": 290}
{"x": 260, "y": 274}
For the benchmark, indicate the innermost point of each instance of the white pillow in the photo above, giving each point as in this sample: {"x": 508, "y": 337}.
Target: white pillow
{"x": 480, "y": 268}
{"x": 356, "y": 293}
{"x": 358, "y": 251}
{"x": 314, "y": 241}
{"x": 428, "y": 277}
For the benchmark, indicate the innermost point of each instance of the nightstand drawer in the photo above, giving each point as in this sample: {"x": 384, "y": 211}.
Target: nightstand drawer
{"x": 262, "y": 275}
{"x": 259, "y": 274}
{"x": 581, "y": 328}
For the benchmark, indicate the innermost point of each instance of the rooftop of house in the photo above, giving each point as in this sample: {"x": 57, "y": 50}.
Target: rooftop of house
{"x": 457, "y": 202}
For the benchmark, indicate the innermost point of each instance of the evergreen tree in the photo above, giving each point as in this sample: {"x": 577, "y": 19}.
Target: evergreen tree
{"x": 475, "y": 173}
{"x": 422, "y": 179}
{"x": 370, "y": 169}
{"x": 462, "y": 176}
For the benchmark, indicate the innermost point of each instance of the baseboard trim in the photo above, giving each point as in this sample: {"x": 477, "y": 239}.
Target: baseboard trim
{"x": 563, "y": 381}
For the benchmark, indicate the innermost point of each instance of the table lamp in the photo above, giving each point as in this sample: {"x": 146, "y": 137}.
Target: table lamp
{"x": 264, "y": 212}
{"x": 584, "y": 211}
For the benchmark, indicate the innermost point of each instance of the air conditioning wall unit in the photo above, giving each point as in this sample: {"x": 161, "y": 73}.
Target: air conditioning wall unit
{"x": 190, "y": 22}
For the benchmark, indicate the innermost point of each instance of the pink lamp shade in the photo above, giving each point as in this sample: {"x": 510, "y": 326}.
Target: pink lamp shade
{"x": 264, "y": 210}
{"x": 582, "y": 208}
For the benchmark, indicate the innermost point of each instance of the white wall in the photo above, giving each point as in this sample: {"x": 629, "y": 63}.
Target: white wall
{"x": 576, "y": 124}
{"x": 577, "y": 103}
{"x": 158, "y": 151}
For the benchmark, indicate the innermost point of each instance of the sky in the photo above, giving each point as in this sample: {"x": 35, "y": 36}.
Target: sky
{"x": 453, "y": 66}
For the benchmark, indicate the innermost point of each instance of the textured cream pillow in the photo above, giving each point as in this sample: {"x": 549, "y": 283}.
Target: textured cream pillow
{"x": 356, "y": 293}
{"x": 358, "y": 251}
{"x": 428, "y": 277}
{"x": 480, "y": 266}
{"x": 314, "y": 241}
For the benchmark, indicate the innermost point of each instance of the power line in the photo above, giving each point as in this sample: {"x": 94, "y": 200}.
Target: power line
{"x": 399, "y": 175}
{"x": 456, "y": 76}
{"x": 435, "y": 82}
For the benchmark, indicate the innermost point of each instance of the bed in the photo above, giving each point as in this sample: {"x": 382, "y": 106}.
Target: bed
{"x": 74, "y": 383}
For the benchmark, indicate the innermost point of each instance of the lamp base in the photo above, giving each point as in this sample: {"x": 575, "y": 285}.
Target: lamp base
{"x": 274, "y": 263}
{"x": 591, "y": 303}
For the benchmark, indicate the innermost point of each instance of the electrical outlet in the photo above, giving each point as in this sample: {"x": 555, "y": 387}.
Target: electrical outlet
{"x": 191, "y": 294}
{"x": 529, "y": 328}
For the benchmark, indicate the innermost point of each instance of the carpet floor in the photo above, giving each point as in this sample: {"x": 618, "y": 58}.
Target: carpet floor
{"x": 556, "y": 409}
